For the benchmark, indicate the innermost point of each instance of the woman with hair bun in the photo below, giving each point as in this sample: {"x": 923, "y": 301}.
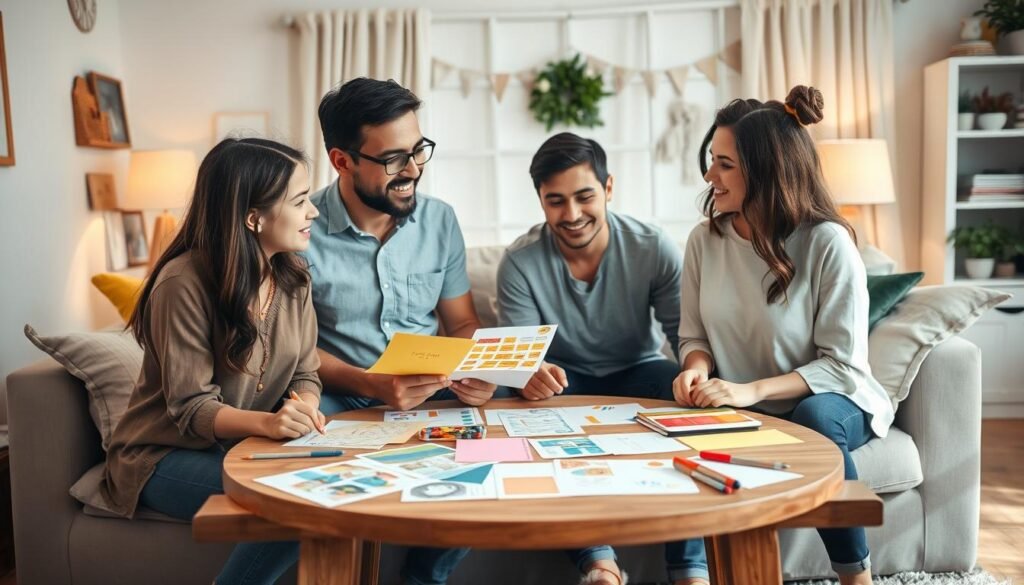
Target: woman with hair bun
{"x": 774, "y": 293}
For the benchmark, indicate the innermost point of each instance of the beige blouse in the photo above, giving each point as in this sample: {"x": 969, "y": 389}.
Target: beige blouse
{"x": 185, "y": 377}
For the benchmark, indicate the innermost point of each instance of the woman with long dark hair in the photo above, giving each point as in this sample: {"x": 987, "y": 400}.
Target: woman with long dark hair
{"x": 774, "y": 293}
{"x": 229, "y": 334}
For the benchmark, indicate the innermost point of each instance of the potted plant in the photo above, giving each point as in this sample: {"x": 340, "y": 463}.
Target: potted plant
{"x": 992, "y": 110}
{"x": 1007, "y": 17}
{"x": 982, "y": 244}
{"x": 1006, "y": 267}
{"x": 965, "y": 116}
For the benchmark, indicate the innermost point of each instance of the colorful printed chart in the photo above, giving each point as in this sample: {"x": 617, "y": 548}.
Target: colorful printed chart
{"x": 507, "y": 356}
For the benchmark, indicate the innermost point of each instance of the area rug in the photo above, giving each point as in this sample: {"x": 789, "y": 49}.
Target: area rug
{"x": 976, "y": 577}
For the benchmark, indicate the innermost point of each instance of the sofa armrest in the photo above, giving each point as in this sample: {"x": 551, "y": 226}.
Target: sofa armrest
{"x": 53, "y": 442}
{"x": 943, "y": 415}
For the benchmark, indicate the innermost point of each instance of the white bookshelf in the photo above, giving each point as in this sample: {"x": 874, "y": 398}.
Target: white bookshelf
{"x": 950, "y": 157}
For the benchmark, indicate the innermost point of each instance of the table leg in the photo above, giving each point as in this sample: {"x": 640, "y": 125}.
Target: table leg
{"x": 329, "y": 561}
{"x": 370, "y": 572}
{"x": 748, "y": 558}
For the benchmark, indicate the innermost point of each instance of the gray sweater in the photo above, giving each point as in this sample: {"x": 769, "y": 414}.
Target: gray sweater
{"x": 820, "y": 332}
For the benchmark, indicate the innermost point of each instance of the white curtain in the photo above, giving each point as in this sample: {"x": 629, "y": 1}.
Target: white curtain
{"x": 845, "y": 49}
{"x": 340, "y": 45}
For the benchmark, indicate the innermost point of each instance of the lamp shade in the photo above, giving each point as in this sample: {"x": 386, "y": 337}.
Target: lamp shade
{"x": 160, "y": 179}
{"x": 857, "y": 171}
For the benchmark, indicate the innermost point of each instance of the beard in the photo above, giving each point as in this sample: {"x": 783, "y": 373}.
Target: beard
{"x": 382, "y": 202}
{"x": 578, "y": 244}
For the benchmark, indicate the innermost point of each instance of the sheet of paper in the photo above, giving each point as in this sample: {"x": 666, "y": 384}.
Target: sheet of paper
{"x": 537, "y": 422}
{"x": 749, "y": 477}
{"x": 492, "y": 450}
{"x": 611, "y": 477}
{"x": 507, "y": 356}
{"x": 425, "y": 460}
{"x": 600, "y": 414}
{"x": 409, "y": 354}
{"x": 358, "y": 435}
{"x": 437, "y": 416}
{"x": 339, "y": 483}
{"x": 477, "y": 483}
{"x": 565, "y": 447}
{"x": 519, "y": 481}
{"x": 638, "y": 443}
{"x": 720, "y": 441}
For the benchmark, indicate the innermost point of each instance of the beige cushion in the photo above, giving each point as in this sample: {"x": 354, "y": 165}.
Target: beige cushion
{"x": 889, "y": 465}
{"x": 482, "y": 269}
{"x": 926, "y": 317}
{"x": 108, "y": 362}
{"x": 87, "y": 491}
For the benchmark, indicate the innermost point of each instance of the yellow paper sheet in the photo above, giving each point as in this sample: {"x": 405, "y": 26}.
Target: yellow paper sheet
{"x": 410, "y": 354}
{"x": 716, "y": 441}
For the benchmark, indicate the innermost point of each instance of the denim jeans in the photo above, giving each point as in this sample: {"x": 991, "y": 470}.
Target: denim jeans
{"x": 179, "y": 486}
{"x": 845, "y": 424}
{"x": 647, "y": 380}
{"x": 423, "y": 565}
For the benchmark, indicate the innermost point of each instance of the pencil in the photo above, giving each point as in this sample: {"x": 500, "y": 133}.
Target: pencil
{"x": 726, "y": 458}
{"x": 316, "y": 423}
{"x": 253, "y": 456}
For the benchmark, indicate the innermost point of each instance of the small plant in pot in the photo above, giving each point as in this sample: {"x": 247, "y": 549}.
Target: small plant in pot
{"x": 1007, "y": 17}
{"x": 1006, "y": 267}
{"x": 981, "y": 244}
{"x": 992, "y": 110}
{"x": 965, "y": 116}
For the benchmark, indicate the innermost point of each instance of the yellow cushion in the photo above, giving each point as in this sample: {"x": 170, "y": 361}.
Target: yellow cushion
{"x": 122, "y": 291}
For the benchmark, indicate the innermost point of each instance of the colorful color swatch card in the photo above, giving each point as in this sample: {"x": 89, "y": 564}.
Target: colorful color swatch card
{"x": 619, "y": 477}
{"x": 492, "y": 450}
{"x": 566, "y": 447}
{"x": 436, "y": 416}
{"x": 339, "y": 483}
{"x": 726, "y": 441}
{"x": 477, "y": 483}
{"x": 520, "y": 481}
{"x": 358, "y": 434}
{"x": 427, "y": 460}
{"x": 637, "y": 443}
{"x": 600, "y": 414}
{"x": 749, "y": 477}
{"x": 537, "y": 422}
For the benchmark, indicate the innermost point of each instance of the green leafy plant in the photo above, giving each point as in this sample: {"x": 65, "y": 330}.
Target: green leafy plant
{"x": 963, "y": 105}
{"x": 564, "y": 93}
{"x": 984, "y": 241}
{"x": 986, "y": 103}
{"x": 1014, "y": 246}
{"x": 1005, "y": 16}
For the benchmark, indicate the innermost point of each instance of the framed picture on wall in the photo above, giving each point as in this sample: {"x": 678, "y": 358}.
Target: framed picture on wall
{"x": 136, "y": 244}
{"x": 240, "y": 125}
{"x": 102, "y": 193}
{"x": 117, "y": 253}
{"x": 110, "y": 100}
{"x": 6, "y": 131}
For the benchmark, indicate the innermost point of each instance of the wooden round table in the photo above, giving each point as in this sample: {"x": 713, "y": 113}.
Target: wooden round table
{"x": 739, "y": 529}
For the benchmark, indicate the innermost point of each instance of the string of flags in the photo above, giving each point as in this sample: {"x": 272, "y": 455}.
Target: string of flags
{"x": 731, "y": 56}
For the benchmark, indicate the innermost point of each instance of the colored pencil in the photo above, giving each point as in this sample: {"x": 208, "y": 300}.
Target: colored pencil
{"x": 704, "y": 479}
{"x": 716, "y": 475}
{"x": 336, "y": 453}
{"x": 726, "y": 458}
{"x": 316, "y": 423}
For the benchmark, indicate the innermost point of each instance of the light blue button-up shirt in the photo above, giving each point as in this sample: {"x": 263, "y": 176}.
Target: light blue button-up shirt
{"x": 365, "y": 291}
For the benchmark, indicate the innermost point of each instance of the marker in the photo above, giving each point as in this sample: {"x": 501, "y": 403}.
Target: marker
{"x": 708, "y": 481}
{"x": 726, "y": 458}
{"x": 319, "y": 429}
{"x": 337, "y": 453}
{"x": 716, "y": 475}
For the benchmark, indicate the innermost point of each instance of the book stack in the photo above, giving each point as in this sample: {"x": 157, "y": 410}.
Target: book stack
{"x": 695, "y": 421}
{"x": 996, "y": 187}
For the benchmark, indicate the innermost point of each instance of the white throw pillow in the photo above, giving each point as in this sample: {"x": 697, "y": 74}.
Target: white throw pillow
{"x": 926, "y": 317}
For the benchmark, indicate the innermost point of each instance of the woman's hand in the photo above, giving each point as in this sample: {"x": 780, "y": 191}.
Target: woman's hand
{"x": 314, "y": 401}
{"x": 716, "y": 392}
{"x": 293, "y": 420}
{"x": 472, "y": 391}
{"x": 684, "y": 384}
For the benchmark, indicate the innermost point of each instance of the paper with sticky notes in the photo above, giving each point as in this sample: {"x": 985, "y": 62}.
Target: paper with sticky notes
{"x": 507, "y": 356}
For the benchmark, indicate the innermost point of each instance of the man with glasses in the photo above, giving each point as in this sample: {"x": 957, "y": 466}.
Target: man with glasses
{"x": 385, "y": 259}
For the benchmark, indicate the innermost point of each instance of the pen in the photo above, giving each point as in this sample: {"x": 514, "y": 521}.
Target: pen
{"x": 726, "y": 458}
{"x": 336, "y": 453}
{"x": 704, "y": 479}
{"x": 319, "y": 429}
{"x": 716, "y": 475}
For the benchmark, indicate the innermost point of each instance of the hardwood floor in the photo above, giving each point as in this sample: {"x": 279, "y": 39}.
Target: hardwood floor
{"x": 1002, "y": 501}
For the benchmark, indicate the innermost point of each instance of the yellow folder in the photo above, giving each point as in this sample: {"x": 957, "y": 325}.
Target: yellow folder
{"x": 411, "y": 354}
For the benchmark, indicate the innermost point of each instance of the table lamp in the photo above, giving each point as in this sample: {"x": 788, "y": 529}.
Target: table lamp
{"x": 160, "y": 179}
{"x": 858, "y": 173}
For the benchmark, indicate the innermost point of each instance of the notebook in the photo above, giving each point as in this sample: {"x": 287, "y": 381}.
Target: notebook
{"x": 694, "y": 421}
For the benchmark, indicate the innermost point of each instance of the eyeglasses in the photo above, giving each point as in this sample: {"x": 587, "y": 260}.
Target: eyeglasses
{"x": 395, "y": 163}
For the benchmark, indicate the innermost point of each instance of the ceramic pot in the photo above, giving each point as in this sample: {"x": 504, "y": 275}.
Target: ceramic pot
{"x": 1006, "y": 269}
{"x": 965, "y": 121}
{"x": 993, "y": 121}
{"x": 1013, "y": 43}
{"x": 979, "y": 267}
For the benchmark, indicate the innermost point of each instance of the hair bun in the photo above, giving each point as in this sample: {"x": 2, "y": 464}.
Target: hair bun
{"x": 807, "y": 102}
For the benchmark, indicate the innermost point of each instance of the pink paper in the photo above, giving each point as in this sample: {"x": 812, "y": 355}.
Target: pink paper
{"x": 481, "y": 450}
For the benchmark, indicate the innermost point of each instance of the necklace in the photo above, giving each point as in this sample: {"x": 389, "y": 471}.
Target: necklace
{"x": 264, "y": 334}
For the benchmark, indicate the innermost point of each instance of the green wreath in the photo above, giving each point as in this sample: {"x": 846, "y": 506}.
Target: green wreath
{"x": 564, "y": 93}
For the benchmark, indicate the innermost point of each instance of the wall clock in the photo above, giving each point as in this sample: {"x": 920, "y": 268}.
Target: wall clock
{"x": 83, "y": 12}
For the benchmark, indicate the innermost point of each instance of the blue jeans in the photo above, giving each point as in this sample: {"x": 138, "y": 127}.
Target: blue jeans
{"x": 845, "y": 424}
{"x": 647, "y": 380}
{"x": 179, "y": 486}
{"x": 423, "y": 565}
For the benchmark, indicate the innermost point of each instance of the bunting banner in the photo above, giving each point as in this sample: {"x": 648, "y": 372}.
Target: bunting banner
{"x": 677, "y": 77}
{"x": 500, "y": 82}
{"x": 709, "y": 67}
{"x": 650, "y": 82}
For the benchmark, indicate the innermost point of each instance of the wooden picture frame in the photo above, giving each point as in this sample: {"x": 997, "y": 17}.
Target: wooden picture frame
{"x": 6, "y": 129}
{"x": 135, "y": 240}
{"x": 113, "y": 226}
{"x": 102, "y": 191}
{"x": 110, "y": 101}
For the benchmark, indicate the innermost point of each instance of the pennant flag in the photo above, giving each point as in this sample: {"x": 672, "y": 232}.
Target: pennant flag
{"x": 466, "y": 78}
{"x": 651, "y": 81}
{"x": 678, "y": 78}
{"x": 598, "y": 65}
{"x": 526, "y": 78}
{"x": 709, "y": 67}
{"x": 733, "y": 57}
{"x": 441, "y": 70}
{"x": 499, "y": 82}
{"x": 620, "y": 77}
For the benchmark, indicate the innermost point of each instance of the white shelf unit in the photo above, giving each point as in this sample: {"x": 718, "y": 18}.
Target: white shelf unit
{"x": 950, "y": 157}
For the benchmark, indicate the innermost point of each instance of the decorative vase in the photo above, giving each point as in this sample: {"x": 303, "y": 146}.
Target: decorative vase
{"x": 965, "y": 121}
{"x": 992, "y": 121}
{"x": 979, "y": 267}
{"x": 1006, "y": 269}
{"x": 1013, "y": 42}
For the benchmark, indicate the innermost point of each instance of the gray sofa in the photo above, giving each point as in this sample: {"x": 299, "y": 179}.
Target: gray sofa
{"x": 927, "y": 471}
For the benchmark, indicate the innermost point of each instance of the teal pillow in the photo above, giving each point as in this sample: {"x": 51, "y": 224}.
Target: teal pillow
{"x": 886, "y": 290}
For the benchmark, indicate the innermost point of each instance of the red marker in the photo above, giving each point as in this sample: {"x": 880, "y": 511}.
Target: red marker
{"x": 726, "y": 458}
{"x": 720, "y": 482}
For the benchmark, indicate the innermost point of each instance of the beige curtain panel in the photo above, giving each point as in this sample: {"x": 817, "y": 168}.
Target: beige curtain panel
{"x": 845, "y": 49}
{"x": 340, "y": 45}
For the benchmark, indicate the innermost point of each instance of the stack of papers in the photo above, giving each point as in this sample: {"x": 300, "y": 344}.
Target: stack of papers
{"x": 358, "y": 434}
